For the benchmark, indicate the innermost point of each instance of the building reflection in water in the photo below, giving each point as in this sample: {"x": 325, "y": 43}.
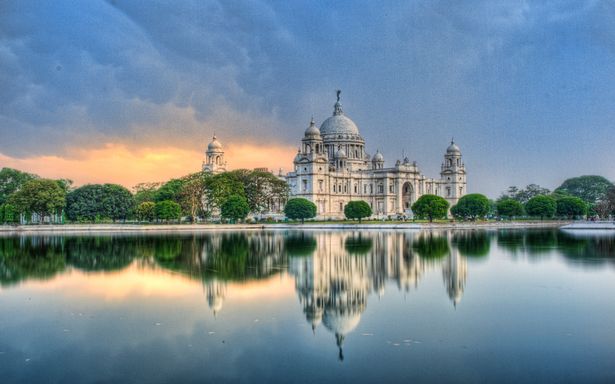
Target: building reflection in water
{"x": 333, "y": 283}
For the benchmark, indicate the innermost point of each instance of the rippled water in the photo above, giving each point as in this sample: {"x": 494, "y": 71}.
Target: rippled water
{"x": 314, "y": 306}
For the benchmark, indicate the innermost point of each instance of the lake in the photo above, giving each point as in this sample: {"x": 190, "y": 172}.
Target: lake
{"x": 308, "y": 307}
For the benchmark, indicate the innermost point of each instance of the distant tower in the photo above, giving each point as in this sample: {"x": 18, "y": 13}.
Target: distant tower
{"x": 378, "y": 160}
{"x": 214, "y": 157}
{"x": 453, "y": 174}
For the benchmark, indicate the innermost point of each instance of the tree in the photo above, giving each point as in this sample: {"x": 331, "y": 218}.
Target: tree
{"x": 357, "y": 210}
{"x": 590, "y": 189}
{"x": 541, "y": 206}
{"x": 262, "y": 189}
{"x": 571, "y": 207}
{"x": 169, "y": 190}
{"x": 84, "y": 203}
{"x": 524, "y": 195}
{"x": 300, "y": 208}
{"x": 167, "y": 210}
{"x": 192, "y": 193}
{"x": 471, "y": 207}
{"x": 95, "y": 201}
{"x": 145, "y": 192}
{"x": 118, "y": 202}
{"x": 235, "y": 208}
{"x": 146, "y": 211}
{"x": 219, "y": 187}
{"x": 509, "y": 208}
{"x": 11, "y": 180}
{"x": 430, "y": 207}
{"x": 41, "y": 196}
{"x": 8, "y": 214}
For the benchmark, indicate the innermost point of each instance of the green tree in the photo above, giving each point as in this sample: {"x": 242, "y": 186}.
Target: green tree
{"x": 471, "y": 207}
{"x": 430, "y": 207}
{"x": 571, "y": 207}
{"x": 84, "y": 203}
{"x": 357, "y": 210}
{"x": 590, "y": 189}
{"x": 117, "y": 202}
{"x": 9, "y": 214}
{"x": 300, "y": 209}
{"x": 219, "y": 187}
{"x": 262, "y": 188}
{"x": 509, "y": 208}
{"x": 524, "y": 195}
{"x": 145, "y": 192}
{"x": 169, "y": 190}
{"x": 541, "y": 206}
{"x": 167, "y": 210}
{"x": 235, "y": 208}
{"x": 11, "y": 180}
{"x": 146, "y": 211}
{"x": 192, "y": 193}
{"x": 41, "y": 196}
{"x": 95, "y": 201}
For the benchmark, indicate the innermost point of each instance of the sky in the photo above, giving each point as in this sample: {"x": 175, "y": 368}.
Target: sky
{"x": 132, "y": 91}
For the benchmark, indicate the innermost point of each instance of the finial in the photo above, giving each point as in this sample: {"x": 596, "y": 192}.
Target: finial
{"x": 312, "y": 121}
{"x": 337, "y": 110}
{"x": 453, "y": 140}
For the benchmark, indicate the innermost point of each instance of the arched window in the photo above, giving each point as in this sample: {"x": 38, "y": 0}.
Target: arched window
{"x": 450, "y": 162}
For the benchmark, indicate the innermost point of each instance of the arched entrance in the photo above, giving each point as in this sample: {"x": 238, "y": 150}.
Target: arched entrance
{"x": 407, "y": 194}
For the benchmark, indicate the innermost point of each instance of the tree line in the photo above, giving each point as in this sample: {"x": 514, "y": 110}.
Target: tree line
{"x": 578, "y": 197}
{"x": 195, "y": 197}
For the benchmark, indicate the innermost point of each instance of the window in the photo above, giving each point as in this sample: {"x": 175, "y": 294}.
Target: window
{"x": 333, "y": 188}
{"x": 371, "y": 188}
{"x": 380, "y": 188}
{"x": 391, "y": 188}
{"x": 305, "y": 185}
{"x": 448, "y": 191}
{"x": 341, "y": 206}
{"x": 365, "y": 188}
{"x": 356, "y": 188}
{"x": 320, "y": 185}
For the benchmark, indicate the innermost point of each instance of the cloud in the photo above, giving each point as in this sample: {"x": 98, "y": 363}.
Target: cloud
{"x": 522, "y": 80}
{"x": 113, "y": 163}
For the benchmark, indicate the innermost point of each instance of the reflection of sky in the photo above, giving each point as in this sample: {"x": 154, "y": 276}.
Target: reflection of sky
{"x": 522, "y": 317}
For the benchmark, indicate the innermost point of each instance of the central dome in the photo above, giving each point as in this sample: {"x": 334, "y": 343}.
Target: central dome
{"x": 338, "y": 124}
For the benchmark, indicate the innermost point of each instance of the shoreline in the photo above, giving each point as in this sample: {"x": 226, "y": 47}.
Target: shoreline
{"x": 152, "y": 228}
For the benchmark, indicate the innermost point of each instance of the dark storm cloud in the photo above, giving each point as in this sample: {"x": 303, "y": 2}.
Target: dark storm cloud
{"x": 522, "y": 85}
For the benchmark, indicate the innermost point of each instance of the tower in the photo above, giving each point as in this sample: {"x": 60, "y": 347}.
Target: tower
{"x": 214, "y": 157}
{"x": 453, "y": 174}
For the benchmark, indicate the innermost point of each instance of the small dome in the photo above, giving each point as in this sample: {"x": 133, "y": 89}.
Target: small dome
{"x": 215, "y": 145}
{"x": 341, "y": 322}
{"x": 378, "y": 157}
{"x": 453, "y": 148}
{"x": 312, "y": 130}
{"x": 340, "y": 154}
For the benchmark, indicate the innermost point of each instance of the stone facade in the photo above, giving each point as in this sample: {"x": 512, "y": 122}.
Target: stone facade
{"x": 332, "y": 168}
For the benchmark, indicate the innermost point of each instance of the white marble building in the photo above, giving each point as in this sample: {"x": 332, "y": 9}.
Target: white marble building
{"x": 332, "y": 168}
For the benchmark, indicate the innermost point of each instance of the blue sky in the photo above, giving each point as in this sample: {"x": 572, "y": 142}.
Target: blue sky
{"x": 527, "y": 88}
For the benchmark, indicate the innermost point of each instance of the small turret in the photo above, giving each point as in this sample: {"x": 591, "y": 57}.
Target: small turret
{"x": 214, "y": 157}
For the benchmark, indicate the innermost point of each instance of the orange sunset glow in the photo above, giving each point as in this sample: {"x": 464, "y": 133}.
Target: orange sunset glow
{"x": 116, "y": 163}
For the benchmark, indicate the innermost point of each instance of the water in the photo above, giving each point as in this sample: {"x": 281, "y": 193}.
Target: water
{"x": 314, "y": 306}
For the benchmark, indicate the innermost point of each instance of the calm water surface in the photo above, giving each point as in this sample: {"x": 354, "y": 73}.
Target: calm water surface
{"x": 450, "y": 306}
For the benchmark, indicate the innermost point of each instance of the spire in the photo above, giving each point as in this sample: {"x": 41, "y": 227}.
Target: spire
{"x": 452, "y": 140}
{"x": 337, "y": 109}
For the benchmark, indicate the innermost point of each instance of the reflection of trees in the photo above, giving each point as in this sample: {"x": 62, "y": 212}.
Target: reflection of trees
{"x": 358, "y": 244}
{"x": 587, "y": 250}
{"x": 472, "y": 243}
{"x": 23, "y": 258}
{"x": 511, "y": 240}
{"x": 299, "y": 244}
{"x": 540, "y": 241}
{"x": 104, "y": 253}
{"x": 431, "y": 246}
